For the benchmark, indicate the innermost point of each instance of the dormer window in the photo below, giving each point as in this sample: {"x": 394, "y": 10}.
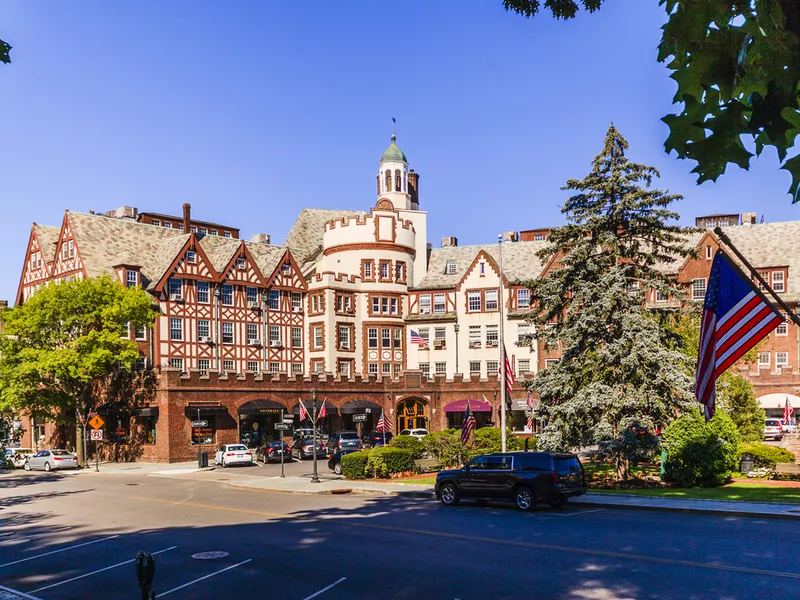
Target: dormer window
{"x": 213, "y": 232}
{"x": 286, "y": 268}
{"x": 450, "y": 269}
{"x": 167, "y": 224}
{"x": 203, "y": 230}
{"x": 191, "y": 257}
{"x": 131, "y": 278}
{"x": 192, "y": 228}
{"x": 241, "y": 262}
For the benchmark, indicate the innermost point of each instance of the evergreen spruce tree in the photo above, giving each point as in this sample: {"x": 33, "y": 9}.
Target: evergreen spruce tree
{"x": 618, "y": 373}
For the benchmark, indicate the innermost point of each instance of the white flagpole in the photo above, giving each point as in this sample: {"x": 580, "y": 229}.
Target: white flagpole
{"x": 502, "y": 353}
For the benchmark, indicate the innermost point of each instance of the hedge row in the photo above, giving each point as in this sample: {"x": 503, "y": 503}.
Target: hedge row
{"x": 378, "y": 462}
{"x": 765, "y": 455}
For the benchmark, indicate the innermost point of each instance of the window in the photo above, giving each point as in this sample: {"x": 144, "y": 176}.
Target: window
{"x": 523, "y": 366}
{"x": 781, "y": 359}
{"x": 386, "y": 368}
{"x": 492, "y": 366}
{"x": 474, "y": 301}
{"x": 227, "y": 234}
{"x": 131, "y": 278}
{"x": 398, "y": 339}
{"x": 763, "y": 360}
{"x": 318, "y": 338}
{"x": 213, "y": 232}
{"x": 297, "y": 337}
{"x": 203, "y": 231}
{"x": 203, "y": 292}
{"x": 474, "y": 368}
{"x": 393, "y": 306}
{"x": 539, "y": 237}
{"x": 765, "y": 277}
{"x": 203, "y": 365}
{"x": 523, "y": 334}
{"x": 167, "y": 224}
{"x": 274, "y": 367}
{"x": 344, "y": 303}
{"x": 317, "y": 366}
{"x": 491, "y": 299}
{"x": 425, "y": 304}
{"x": 698, "y": 289}
{"x": 366, "y": 269}
{"x": 450, "y": 267}
{"x": 372, "y": 337}
{"x": 316, "y": 303}
{"x": 385, "y": 269}
{"x": 192, "y": 228}
{"x": 439, "y": 337}
{"x": 252, "y": 333}
{"x": 204, "y": 435}
{"x": 241, "y": 262}
{"x": 286, "y": 268}
{"x": 274, "y": 335}
{"x": 426, "y": 369}
{"x": 141, "y": 363}
{"x": 709, "y": 253}
{"x": 176, "y": 363}
{"x": 252, "y": 294}
{"x": 140, "y": 332}
{"x": 157, "y": 222}
{"x": 492, "y": 337}
{"x": 176, "y": 289}
{"x": 372, "y": 368}
{"x": 384, "y": 305}
{"x": 344, "y": 337}
{"x": 176, "y": 329}
{"x": 297, "y": 368}
{"x": 523, "y": 298}
{"x": 483, "y": 268}
{"x": 783, "y": 328}
{"x": 191, "y": 257}
{"x": 441, "y": 368}
{"x": 661, "y": 296}
{"x": 227, "y": 332}
{"x": 439, "y": 306}
{"x": 549, "y": 362}
{"x": 778, "y": 281}
{"x": 344, "y": 368}
{"x": 274, "y": 299}
{"x": 227, "y": 295}
{"x": 475, "y": 336}
{"x": 297, "y": 302}
{"x": 386, "y": 337}
{"x": 252, "y": 365}
{"x": 203, "y": 329}
{"x": 400, "y": 271}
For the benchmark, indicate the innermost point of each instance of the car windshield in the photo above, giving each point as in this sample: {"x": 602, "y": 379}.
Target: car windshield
{"x": 61, "y": 453}
{"x": 567, "y": 464}
{"x": 238, "y": 447}
{"x": 349, "y": 435}
{"x": 772, "y": 423}
{"x": 276, "y": 444}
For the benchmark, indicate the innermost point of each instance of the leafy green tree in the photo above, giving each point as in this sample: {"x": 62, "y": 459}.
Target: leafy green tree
{"x": 64, "y": 351}
{"x": 737, "y": 67}
{"x": 617, "y": 369}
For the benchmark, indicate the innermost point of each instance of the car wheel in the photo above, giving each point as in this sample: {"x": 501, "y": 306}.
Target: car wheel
{"x": 559, "y": 503}
{"x": 26, "y": 466}
{"x": 224, "y": 464}
{"x": 524, "y": 499}
{"x": 449, "y": 495}
{"x": 337, "y": 468}
{"x": 47, "y": 466}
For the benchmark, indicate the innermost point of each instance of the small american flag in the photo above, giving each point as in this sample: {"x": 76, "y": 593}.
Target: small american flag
{"x": 788, "y": 411}
{"x": 384, "y": 424}
{"x": 530, "y": 401}
{"x": 509, "y": 373}
{"x": 736, "y": 316}
{"x": 303, "y": 411}
{"x": 323, "y": 410}
{"x": 417, "y": 339}
{"x": 468, "y": 426}
{"x": 530, "y": 422}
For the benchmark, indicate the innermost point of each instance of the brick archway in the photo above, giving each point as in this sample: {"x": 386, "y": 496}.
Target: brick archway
{"x": 412, "y": 412}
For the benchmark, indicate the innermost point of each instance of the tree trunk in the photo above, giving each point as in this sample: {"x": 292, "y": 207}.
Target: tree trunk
{"x": 79, "y": 441}
{"x": 621, "y": 467}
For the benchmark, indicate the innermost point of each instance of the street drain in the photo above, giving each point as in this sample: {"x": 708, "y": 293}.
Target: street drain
{"x": 210, "y": 555}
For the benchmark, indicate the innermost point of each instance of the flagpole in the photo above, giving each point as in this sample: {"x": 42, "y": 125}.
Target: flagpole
{"x": 503, "y": 375}
{"x": 727, "y": 241}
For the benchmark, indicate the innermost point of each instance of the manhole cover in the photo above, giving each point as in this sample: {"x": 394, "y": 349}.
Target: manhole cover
{"x": 210, "y": 555}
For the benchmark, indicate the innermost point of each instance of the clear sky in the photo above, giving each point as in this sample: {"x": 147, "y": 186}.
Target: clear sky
{"x": 252, "y": 110}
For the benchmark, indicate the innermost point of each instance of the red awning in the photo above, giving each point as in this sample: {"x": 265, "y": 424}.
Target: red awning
{"x": 474, "y": 406}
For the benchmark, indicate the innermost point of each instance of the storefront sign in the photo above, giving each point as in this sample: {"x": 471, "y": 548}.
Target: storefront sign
{"x": 269, "y": 411}
{"x": 359, "y": 418}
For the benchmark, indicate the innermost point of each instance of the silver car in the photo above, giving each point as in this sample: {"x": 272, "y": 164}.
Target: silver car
{"x": 773, "y": 429}
{"x": 49, "y": 460}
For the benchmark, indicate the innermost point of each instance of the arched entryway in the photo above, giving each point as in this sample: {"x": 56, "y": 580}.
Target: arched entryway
{"x": 360, "y": 415}
{"x": 774, "y": 404}
{"x": 257, "y": 420}
{"x": 412, "y": 413}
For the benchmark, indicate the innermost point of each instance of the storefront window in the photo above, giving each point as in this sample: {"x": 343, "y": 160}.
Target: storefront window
{"x": 148, "y": 428}
{"x": 204, "y": 435}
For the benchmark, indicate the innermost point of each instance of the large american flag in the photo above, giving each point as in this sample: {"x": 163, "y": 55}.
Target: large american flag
{"x": 468, "y": 426}
{"x": 417, "y": 339}
{"x": 736, "y": 316}
{"x": 303, "y": 411}
{"x": 509, "y": 372}
{"x": 384, "y": 424}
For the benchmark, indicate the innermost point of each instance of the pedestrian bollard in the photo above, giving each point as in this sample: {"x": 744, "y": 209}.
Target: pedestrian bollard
{"x": 145, "y": 571}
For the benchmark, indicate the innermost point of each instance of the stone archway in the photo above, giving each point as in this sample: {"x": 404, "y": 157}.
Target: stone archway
{"x": 412, "y": 413}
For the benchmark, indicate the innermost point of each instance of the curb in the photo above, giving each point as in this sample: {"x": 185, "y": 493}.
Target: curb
{"x": 339, "y": 491}
{"x": 695, "y": 511}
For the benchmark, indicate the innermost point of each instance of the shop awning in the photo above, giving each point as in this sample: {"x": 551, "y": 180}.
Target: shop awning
{"x": 205, "y": 411}
{"x": 331, "y": 410}
{"x": 360, "y": 407}
{"x": 147, "y": 411}
{"x": 474, "y": 406}
{"x": 261, "y": 407}
{"x": 778, "y": 400}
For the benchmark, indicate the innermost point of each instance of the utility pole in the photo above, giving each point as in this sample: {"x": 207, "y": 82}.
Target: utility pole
{"x": 503, "y": 390}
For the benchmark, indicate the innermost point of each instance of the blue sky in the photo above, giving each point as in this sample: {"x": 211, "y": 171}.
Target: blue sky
{"x": 253, "y": 110}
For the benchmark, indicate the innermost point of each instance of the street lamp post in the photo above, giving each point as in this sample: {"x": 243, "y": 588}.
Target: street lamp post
{"x": 315, "y": 476}
{"x": 456, "y": 328}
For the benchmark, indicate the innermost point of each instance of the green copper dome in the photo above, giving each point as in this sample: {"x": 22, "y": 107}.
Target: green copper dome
{"x": 393, "y": 153}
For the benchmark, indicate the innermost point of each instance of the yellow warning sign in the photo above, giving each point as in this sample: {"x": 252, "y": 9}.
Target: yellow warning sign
{"x": 96, "y": 422}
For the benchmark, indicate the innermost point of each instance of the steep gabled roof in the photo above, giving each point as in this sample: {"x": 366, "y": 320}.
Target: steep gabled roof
{"x": 220, "y": 250}
{"x": 48, "y": 240}
{"x": 305, "y": 235}
{"x": 267, "y": 257}
{"x": 164, "y": 258}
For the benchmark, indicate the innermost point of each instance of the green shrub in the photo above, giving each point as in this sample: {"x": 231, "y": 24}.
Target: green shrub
{"x": 410, "y": 443}
{"x": 700, "y": 453}
{"x": 384, "y": 461}
{"x": 765, "y": 455}
{"x": 444, "y": 446}
{"x": 487, "y": 441}
{"x": 354, "y": 465}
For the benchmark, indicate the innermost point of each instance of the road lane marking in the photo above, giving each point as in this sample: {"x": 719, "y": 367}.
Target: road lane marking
{"x": 580, "y": 512}
{"x": 325, "y": 589}
{"x": 199, "y": 579}
{"x": 127, "y": 562}
{"x": 22, "y": 560}
{"x": 18, "y": 593}
{"x": 245, "y": 511}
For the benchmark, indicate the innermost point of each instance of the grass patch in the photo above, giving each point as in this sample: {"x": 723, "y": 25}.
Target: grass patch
{"x": 747, "y": 492}
{"x": 424, "y": 480}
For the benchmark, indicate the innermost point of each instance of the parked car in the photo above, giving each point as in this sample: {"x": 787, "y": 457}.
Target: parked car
{"x": 335, "y": 461}
{"x": 342, "y": 440}
{"x": 524, "y": 478}
{"x": 773, "y": 430}
{"x": 305, "y": 432}
{"x": 417, "y": 433}
{"x": 271, "y": 452}
{"x": 50, "y": 460}
{"x": 378, "y": 438}
{"x": 305, "y": 448}
{"x": 17, "y": 456}
{"x": 233, "y": 454}
{"x": 789, "y": 426}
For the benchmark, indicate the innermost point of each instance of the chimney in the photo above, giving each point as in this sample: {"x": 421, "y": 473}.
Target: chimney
{"x": 187, "y": 217}
{"x": 449, "y": 241}
{"x": 749, "y": 218}
{"x": 260, "y": 238}
{"x": 510, "y": 236}
{"x": 413, "y": 188}
{"x": 125, "y": 212}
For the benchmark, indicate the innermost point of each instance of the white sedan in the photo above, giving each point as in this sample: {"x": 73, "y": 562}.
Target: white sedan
{"x": 233, "y": 454}
{"x": 417, "y": 433}
{"x": 49, "y": 460}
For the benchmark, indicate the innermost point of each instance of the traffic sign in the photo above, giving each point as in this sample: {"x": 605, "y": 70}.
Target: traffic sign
{"x": 97, "y": 435}
{"x": 288, "y": 419}
{"x": 359, "y": 418}
{"x": 199, "y": 423}
{"x": 282, "y": 426}
{"x": 96, "y": 422}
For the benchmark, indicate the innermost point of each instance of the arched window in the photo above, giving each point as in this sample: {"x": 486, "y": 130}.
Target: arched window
{"x": 412, "y": 414}
{"x": 388, "y": 180}
{"x": 405, "y": 180}
{"x": 398, "y": 180}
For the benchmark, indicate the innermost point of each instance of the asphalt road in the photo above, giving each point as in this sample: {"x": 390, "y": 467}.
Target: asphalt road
{"x": 76, "y": 535}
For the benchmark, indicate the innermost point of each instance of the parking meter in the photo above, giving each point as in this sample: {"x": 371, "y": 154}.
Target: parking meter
{"x": 145, "y": 571}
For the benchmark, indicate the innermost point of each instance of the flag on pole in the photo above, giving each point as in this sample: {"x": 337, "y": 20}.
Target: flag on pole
{"x": 303, "y": 411}
{"x": 736, "y": 316}
{"x": 530, "y": 408}
{"x": 530, "y": 422}
{"x": 788, "y": 411}
{"x": 417, "y": 339}
{"x": 384, "y": 424}
{"x": 468, "y": 426}
{"x": 509, "y": 373}
{"x": 530, "y": 400}
{"x": 323, "y": 410}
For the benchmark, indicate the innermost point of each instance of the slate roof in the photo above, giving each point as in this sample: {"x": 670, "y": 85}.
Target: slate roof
{"x": 48, "y": 239}
{"x": 220, "y": 250}
{"x": 519, "y": 263}
{"x": 305, "y": 236}
{"x": 267, "y": 257}
{"x": 671, "y": 267}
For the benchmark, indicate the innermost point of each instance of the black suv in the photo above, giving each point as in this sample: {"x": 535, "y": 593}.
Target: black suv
{"x": 524, "y": 477}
